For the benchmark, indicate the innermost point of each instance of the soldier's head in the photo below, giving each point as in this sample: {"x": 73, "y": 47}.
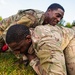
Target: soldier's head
{"x": 18, "y": 38}
{"x": 54, "y": 14}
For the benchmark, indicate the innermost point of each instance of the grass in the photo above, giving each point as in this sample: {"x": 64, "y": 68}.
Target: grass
{"x": 8, "y": 67}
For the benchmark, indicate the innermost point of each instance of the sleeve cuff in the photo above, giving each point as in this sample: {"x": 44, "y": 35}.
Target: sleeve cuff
{"x": 34, "y": 61}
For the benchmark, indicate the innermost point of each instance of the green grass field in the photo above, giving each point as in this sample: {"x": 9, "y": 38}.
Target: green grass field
{"x": 8, "y": 67}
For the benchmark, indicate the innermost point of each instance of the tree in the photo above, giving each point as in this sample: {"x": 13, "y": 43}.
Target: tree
{"x": 61, "y": 23}
{"x": 68, "y": 25}
{"x": 0, "y": 18}
{"x": 73, "y": 23}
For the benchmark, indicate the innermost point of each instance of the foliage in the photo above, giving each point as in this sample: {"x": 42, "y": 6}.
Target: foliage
{"x": 73, "y": 23}
{"x": 61, "y": 23}
{"x": 68, "y": 25}
{"x": 8, "y": 67}
{"x": 0, "y": 18}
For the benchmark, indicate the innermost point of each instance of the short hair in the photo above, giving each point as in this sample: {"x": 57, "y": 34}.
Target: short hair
{"x": 16, "y": 33}
{"x": 55, "y": 6}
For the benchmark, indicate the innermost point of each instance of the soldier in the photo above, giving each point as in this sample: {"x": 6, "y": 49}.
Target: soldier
{"x": 48, "y": 42}
{"x": 32, "y": 18}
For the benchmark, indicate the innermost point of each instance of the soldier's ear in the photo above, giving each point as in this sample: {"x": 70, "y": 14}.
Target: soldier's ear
{"x": 28, "y": 37}
{"x": 49, "y": 11}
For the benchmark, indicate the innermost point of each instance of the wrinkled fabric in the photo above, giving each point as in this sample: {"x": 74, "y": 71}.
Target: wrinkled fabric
{"x": 70, "y": 56}
{"x": 29, "y": 17}
{"x": 49, "y": 43}
{"x": 2, "y": 43}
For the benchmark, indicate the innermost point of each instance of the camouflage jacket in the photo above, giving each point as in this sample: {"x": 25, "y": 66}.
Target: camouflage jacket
{"x": 70, "y": 56}
{"x": 30, "y": 18}
{"x": 49, "y": 43}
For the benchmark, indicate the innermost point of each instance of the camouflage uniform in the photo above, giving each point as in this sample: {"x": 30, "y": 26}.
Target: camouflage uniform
{"x": 49, "y": 42}
{"x": 30, "y": 18}
{"x": 70, "y": 56}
